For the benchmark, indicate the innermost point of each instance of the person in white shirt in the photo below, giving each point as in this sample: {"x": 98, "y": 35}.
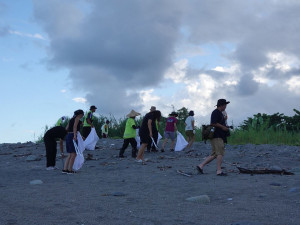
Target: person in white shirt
{"x": 190, "y": 128}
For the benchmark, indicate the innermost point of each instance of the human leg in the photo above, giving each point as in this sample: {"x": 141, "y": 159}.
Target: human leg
{"x": 133, "y": 144}
{"x": 141, "y": 151}
{"x": 125, "y": 145}
{"x": 51, "y": 150}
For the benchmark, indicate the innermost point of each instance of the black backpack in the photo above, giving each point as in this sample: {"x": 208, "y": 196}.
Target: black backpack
{"x": 207, "y": 132}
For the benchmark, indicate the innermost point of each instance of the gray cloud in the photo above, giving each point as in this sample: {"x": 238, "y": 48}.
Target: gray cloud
{"x": 114, "y": 48}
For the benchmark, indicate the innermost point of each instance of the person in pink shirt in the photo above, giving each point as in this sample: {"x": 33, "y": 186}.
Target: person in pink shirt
{"x": 170, "y": 131}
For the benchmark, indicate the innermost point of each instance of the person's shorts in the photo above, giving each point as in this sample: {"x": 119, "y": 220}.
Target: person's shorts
{"x": 218, "y": 147}
{"x": 86, "y": 131}
{"x": 169, "y": 135}
{"x": 189, "y": 133}
{"x": 69, "y": 143}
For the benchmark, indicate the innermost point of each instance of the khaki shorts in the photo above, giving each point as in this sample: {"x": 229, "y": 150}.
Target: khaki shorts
{"x": 218, "y": 147}
{"x": 189, "y": 133}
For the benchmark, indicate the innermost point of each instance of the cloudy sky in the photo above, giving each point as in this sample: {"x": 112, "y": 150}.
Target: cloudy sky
{"x": 57, "y": 56}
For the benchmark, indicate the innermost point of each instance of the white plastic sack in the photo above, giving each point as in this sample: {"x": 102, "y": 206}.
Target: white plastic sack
{"x": 158, "y": 139}
{"x": 91, "y": 140}
{"x": 79, "y": 160}
{"x": 181, "y": 143}
{"x": 137, "y": 138}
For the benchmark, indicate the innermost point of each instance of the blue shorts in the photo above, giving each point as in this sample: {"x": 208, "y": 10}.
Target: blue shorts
{"x": 169, "y": 135}
{"x": 69, "y": 143}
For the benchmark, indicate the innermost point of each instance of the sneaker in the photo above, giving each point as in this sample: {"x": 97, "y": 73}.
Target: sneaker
{"x": 162, "y": 150}
{"x": 71, "y": 172}
{"x": 139, "y": 160}
{"x": 50, "y": 168}
{"x": 64, "y": 171}
{"x": 172, "y": 150}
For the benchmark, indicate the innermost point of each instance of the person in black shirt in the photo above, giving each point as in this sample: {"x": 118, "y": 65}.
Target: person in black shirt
{"x": 72, "y": 128}
{"x": 219, "y": 139}
{"x": 51, "y": 147}
{"x": 147, "y": 131}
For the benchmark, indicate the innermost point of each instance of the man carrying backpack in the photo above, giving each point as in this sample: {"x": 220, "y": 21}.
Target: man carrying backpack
{"x": 219, "y": 138}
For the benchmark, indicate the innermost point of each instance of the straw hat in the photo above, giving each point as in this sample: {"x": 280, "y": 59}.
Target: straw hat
{"x": 133, "y": 114}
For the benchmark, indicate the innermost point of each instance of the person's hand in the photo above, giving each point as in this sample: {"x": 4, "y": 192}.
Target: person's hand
{"x": 194, "y": 132}
{"x": 151, "y": 135}
{"x": 75, "y": 137}
{"x": 225, "y": 128}
{"x": 62, "y": 155}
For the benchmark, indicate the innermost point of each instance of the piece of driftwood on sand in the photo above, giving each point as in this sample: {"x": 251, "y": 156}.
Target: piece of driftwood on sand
{"x": 264, "y": 171}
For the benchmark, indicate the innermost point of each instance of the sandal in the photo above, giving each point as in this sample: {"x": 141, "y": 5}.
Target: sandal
{"x": 200, "y": 170}
{"x": 222, "y": 174}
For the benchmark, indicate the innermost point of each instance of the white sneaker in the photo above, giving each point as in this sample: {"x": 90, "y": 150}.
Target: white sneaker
{"x": 139, "y": 160}
{"x": 50, "y": 168}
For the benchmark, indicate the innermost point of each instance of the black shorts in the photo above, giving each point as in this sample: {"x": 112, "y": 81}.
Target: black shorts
{"x": 86, "y": 131}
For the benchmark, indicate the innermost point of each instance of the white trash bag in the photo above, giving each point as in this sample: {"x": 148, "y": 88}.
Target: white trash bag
{"x": 91, "y": 140}
{"x": 181, "y": 143}
{"x": 137, "y": 138}
{"x": 79, "y": 160}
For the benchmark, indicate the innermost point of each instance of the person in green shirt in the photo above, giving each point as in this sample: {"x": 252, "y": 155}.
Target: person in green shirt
{"x": 129, "y": 134}
{"x": 88, "y": 122}
{"x": 60, "y": 121}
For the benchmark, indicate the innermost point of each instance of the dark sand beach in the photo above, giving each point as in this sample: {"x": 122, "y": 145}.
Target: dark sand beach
{"x": 110, "y": 190}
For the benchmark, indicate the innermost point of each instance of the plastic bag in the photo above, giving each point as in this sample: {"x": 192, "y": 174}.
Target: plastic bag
{"x": 91, "y": 140}
{"x": 79, "y": 160}
{"x": 181, "y": 143}
{"x": 137, "y": 138}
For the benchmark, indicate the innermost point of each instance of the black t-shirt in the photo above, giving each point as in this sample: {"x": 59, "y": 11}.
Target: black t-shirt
{"x": 144, "y": 126}
{"x": 56, "y": 132}
{"x": 71, "y": 125}
{"x": 218, "y": 117}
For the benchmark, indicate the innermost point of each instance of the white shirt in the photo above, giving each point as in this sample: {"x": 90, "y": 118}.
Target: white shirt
{"x": 188, "y": 123}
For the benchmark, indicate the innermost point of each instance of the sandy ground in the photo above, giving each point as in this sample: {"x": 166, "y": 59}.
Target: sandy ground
{"x": 110, "y": 190}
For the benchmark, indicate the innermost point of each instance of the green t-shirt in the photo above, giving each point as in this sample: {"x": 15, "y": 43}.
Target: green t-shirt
{"x": 129, "y": 131}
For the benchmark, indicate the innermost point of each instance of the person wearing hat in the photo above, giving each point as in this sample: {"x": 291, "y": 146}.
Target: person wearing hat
{"x": 218, "y": 142}
{"x": 88, "y": 122}
{"x": 104, "y": 129}
{"x": 170, "y": 131}
{"x": 60, "y": 121}
{"x": 129, "y": 134}
{"x": 190, "y": 128}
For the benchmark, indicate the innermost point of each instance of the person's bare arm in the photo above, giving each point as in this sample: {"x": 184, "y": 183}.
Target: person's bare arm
{"x": 75, "y": 127}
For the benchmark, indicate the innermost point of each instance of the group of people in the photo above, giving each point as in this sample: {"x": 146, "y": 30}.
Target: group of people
{"x": 147, "y": 131}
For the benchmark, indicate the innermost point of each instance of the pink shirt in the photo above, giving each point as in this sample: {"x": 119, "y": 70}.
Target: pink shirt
{"x": 170, "y": 124}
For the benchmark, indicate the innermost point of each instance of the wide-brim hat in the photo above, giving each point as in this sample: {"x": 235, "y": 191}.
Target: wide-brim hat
{"x": 173, "y": 114}
{"x": 222, "y": 102}
{"x": 133, "y": 114}
{"x": 93, "y": 107}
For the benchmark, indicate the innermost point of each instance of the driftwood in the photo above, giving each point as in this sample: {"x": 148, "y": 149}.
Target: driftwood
{"x": 264, "y": 171}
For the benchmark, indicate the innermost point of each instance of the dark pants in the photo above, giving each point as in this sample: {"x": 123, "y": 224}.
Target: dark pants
{"x": 133, "y": 144}
{"x": 50, "y": 144}
{"x": 86, "y": 131}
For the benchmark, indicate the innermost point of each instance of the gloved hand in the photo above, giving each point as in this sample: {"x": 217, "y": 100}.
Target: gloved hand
{"x": 194, "y": 132}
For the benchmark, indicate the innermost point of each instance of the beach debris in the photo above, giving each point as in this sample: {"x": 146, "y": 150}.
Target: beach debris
{"x": 118, "y": 194}
{"x": 164, "y": 167}
{"x": 22, "y": 155}
{"x": 294, "y": 189}
{"x": 246, "y": 223}
{"x": 275, "y": 184}
{"x": 184, "y": 173}
{"x": 34, "y": 182}
{"x": 264, "y": 171}
{"x": 33, "y": 158}
{"x": 89, "y": 157}
{"x": 204, "y": 199}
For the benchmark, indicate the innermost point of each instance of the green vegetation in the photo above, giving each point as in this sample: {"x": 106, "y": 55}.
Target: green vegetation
{"x": 259, "y": 129}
